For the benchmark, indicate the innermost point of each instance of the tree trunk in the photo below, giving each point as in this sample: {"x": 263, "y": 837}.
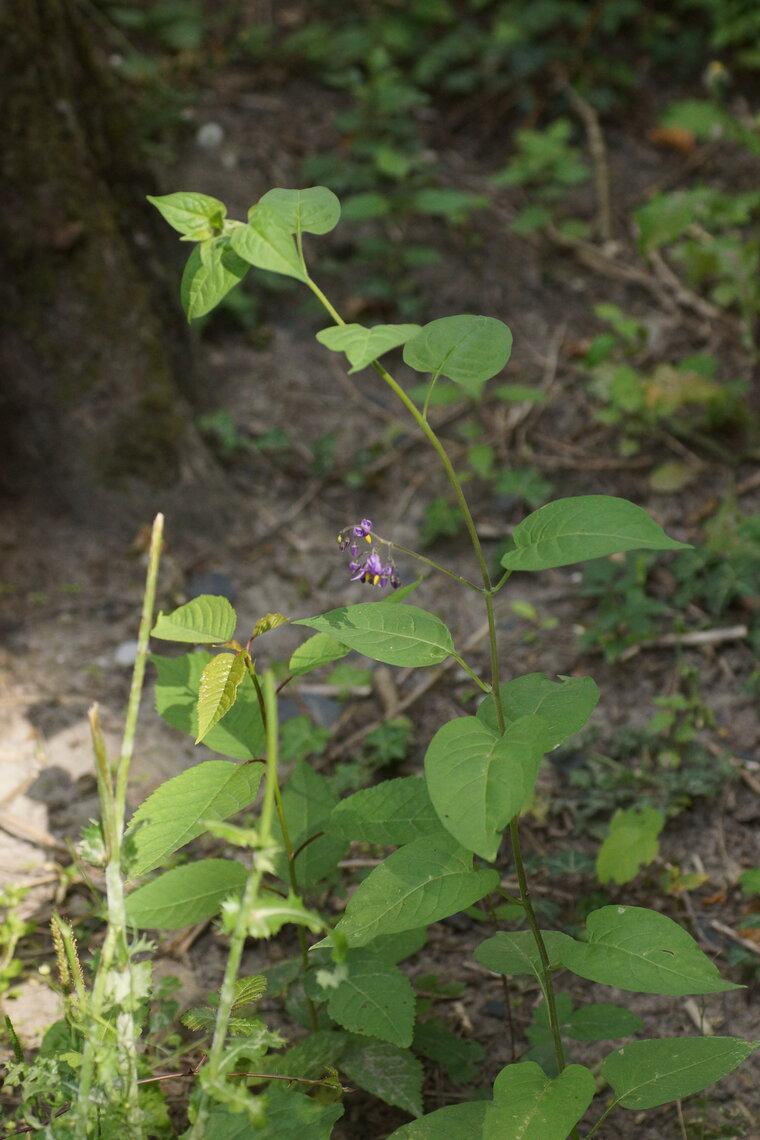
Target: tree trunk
{"x": 97, "y": 379}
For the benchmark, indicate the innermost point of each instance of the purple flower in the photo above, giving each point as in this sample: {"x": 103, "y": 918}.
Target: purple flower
{"x": 371, "y": 566}
{"x": 375, "y": 572}
{"x": 348, "y": 536}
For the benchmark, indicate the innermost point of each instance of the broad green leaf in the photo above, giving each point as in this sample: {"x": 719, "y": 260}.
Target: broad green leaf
{"x": 586, "y": 526}
{"x": 239, "y": 734}
{"x": 631, "y": 844}
{"x": 395, "y": 635}
{"x": 478, "y": 781}
{"x": 394, "y": 948}
{"x": 321, "y": 649}
{"x": 267, "y": 243}
{"x": 375, "y": 1000}
{"x": 196, "y": 216}
{"x": 467, "y": 349}
{"x": 460, "y": 1056}
{"x": 515, "y": 952}
{"x": 390, "y": 1073}
{"x": 601, "y": 1021}
{"x": 206, "y": 620}
{"x": 642, "y": 951}
{"x": 218, "y": 689}
{"x": 185, "y": 895}
{"x": 362, "y": 345}
{"x": 178, "y": 810}
{"x": 645, "y": 1074}
{"x": 394, "y": 812}
{"x": 312, "y": 211}
{"x": 309, "y": 1056}
{"x": 292, "y": 1116}
{"x": 426, "y": 880}
{"x": 206, "y": 281}
{"x": 528, "y": 1105}
{"x": 563, "y": 705}
{"x": 455, "y": 1122}
{"x": 308, "y": 804}
{"x": 663, "y": 219}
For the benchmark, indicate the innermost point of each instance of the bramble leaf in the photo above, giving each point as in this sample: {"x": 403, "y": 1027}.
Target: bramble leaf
{"x": 388, "y": 1072}
{"x": 218, "y": 689}
{"x": 375, "y": 999}
{"x": 209, "y": 619}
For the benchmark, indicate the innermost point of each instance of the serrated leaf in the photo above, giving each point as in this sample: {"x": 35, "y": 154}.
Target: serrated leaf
{"x": 426, "y": 880}
{"x": 217, "y": 690}
{"x": 461, "y": 1057}
{"x": 180, "y": 808}
{"x": 308, "y": 803}
{"x": 645, "y": 1074}
{"x": 375, "y": 999}
{"x": 205, "y": 281}
{"x": 564, "y": 704}
{"x": 205, "y": 620}
{"x": 309, "y": 1056}
{"x": 292, "y": 1116}
{"x": 642, "y": 951}
{"x": 184, "y": 895}
{"x": 362, "y": 345}
{"x": 631, "y": 844}
{"x": 321, "y": 649}
{"x": 528, "y": 1105}
{"x": 478, "y": 781}
{"x": 515, "y": 952}
{"x": 585, "y": 526}
{"x": 315, "y": 210}
{"x": 390, "y": 1073}
{"x": 267, "y": 243}
{"x": 467, "y": 349}
{"x": 196, "y": 216}
{"x": 248, "y": 990}
{"x": 394, "y": 812}
{"x": 267, "y": 623}
{"x": 239, "y": 734}
{"x": 395, "y": 635}
{"x": 454, "y": 1122}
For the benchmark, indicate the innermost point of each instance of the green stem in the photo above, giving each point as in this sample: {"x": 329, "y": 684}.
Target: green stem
{"x": 428, "y": 562}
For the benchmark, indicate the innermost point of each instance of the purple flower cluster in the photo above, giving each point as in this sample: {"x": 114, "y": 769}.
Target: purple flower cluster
{"x": 374, "y": 566}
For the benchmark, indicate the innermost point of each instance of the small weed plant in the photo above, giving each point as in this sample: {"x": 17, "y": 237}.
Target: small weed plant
{"x": 436, "y": 841}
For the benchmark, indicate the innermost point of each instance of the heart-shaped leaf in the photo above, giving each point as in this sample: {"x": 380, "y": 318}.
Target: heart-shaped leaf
{"x": 267, "y": 243}
{"x": 196, "y": 216}
{"x": 467, "y": 349}
{"x": 312, "y": 211}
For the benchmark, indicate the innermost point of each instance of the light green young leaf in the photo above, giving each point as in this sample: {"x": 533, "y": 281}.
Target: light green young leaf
{"x": 375, "y": 1000}
{"x": 179, "y": 809}
{"x": 321, "y": 649}
{"x": 218, "y": 690}
{"x": 631, "y": 844}
{"x": 515, "y": 952}
{"x": 394, "y": 812}
{"x": 269, "y": 914}
{"x": 184, "y": 895}
{"x": 587, "y": 526}
{"x": 312, "y": 211}
{"x": 196, "y": 216}
{"x": 645, "y": 1074}
{"x": 205, "y": 281}
{"x": 267, "y": 243}
{"x": 395, "y": 635}
{"x": 362, "y": 345}
{"x": 426, "y": 880}
{"x": 528, "y": 1105}
{"x": 386, "y": 1071}
{"x": 642, "y": 951}
{"x": 239, "y": 734}
{"x": 467, "y": 349}
{"x": 479, "y": 781}
{"x": 564, "y": 705}
{"x": 205, "y": 620}
{"x": 454, "y": 1122}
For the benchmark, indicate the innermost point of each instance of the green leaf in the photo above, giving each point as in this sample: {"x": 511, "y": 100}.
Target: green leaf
{"x": 587, "y": 526}
{"x": 309, "y": 1056}
{"x": 390, "y": 1073}
{"x": 515, "y": 952}
{"x": 196, "y": 216}
{"x": 645, "y": 1074}
{"x": 394, "y": 812}
{"x": 395, "y": 635}
{"x": 362, "y": 345}
{"x": 269, "y": 914}
{"x": 478, "y": 781}
{"x": 207, "y": 619}
{"x": 321, "y": 649}
{"x": 601, "y": 1021}
{"x": 307, "y": 805}
{"x": 467, "y": 349}
{"x": 528, "y": 1105}
{"x": 630, "y": 845}
{"x": 394, "y": 948}
{"x": 642, "y": 951}
{"x": 374, "y": 1000}
{"x": 426, "y": 880}
{"x": 218, "y": 689}
{"x": 206, "y": 281}
{"x": 312, "y": 211}
{"x": 185, "y": 895}
{"x": 461, "y": 1057}
{"x": 563, "y": 705}
{"x": 292, "y": 1116}
{"x": 455, "y": 1122}
{"x": 179, "y": 809}
{"x": 239, "y": 734}
{"x": 267, "y": 243}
